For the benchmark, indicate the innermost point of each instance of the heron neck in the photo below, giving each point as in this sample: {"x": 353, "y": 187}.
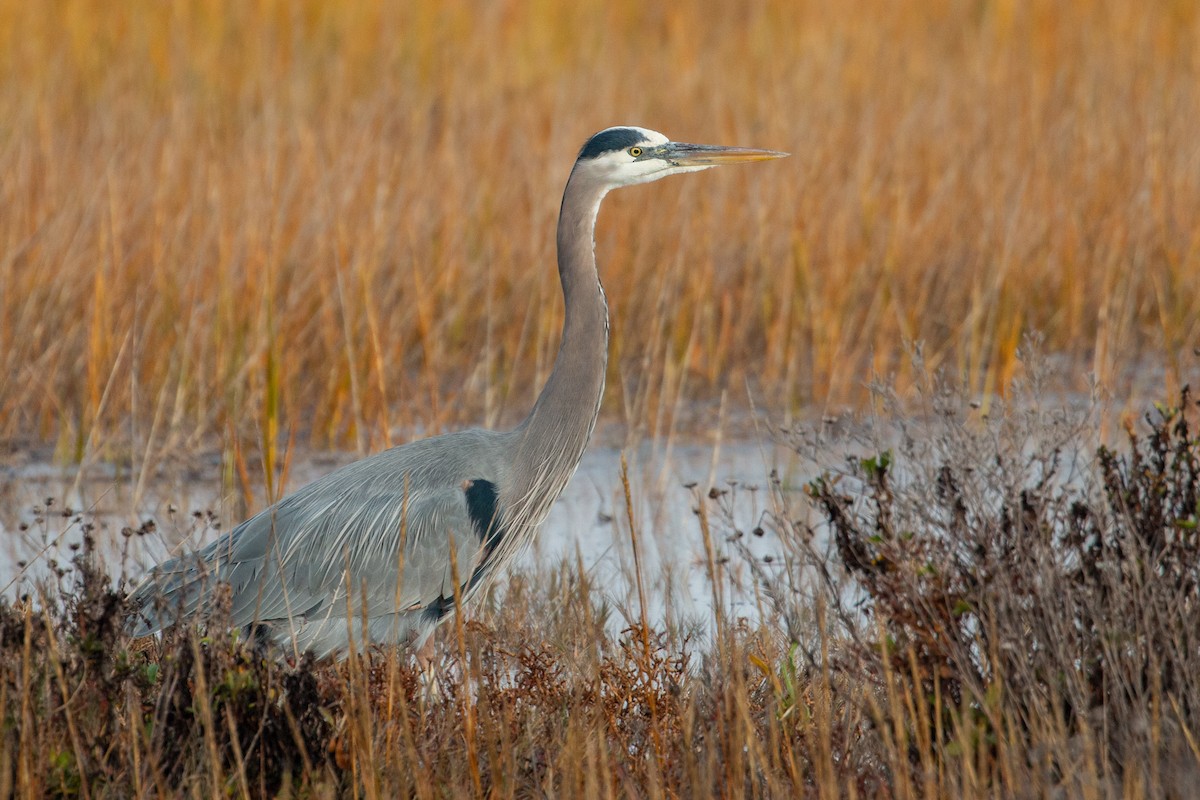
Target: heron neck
{"x": 556, "y": 432}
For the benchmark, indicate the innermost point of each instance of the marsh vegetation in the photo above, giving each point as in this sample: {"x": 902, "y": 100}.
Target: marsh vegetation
{"x": 976, "y": 607}
{"x": 235, "y": 232}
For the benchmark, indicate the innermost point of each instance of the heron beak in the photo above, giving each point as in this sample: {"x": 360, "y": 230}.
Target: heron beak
{"x": 681, "y": 154}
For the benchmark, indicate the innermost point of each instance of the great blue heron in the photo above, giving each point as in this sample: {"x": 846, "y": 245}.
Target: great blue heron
{"x": 365, "y": 551}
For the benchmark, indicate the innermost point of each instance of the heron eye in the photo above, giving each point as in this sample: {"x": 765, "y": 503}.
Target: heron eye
{"x": 635, "y": 151}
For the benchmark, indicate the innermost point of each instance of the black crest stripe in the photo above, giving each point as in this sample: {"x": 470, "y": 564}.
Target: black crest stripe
{"x": 611, "y": 140}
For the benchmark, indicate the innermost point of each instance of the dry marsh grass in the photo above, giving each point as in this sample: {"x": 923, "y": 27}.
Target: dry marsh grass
{"x": 976, "y": 611}
{"x": 244, "y": 219}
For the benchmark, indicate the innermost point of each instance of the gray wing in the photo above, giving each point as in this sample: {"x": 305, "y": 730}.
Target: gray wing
{"x": 340, "y": 539}
{"x": 307, "y": 561}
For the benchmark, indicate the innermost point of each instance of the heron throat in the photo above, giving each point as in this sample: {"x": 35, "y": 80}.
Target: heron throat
{"x": 552, "y": 439}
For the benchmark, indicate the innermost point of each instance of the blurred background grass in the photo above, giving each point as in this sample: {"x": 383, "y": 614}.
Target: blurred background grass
{"x": 337, "y": 219}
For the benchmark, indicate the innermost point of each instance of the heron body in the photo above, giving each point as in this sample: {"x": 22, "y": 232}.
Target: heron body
{"x": 371, "y": 551}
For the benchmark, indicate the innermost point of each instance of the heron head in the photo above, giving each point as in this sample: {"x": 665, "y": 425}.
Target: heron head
{"x": 626, "y": 155}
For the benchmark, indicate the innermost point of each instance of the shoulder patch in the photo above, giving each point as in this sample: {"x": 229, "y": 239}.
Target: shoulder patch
{"x": 483, "y": 508}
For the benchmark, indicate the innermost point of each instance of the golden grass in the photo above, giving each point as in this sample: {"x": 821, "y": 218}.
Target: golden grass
{"x": 254, "y": 217}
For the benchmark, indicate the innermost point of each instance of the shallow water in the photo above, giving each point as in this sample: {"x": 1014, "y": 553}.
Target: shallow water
{"x": 668, "y": 483}
{"x": 668, "y": 480}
